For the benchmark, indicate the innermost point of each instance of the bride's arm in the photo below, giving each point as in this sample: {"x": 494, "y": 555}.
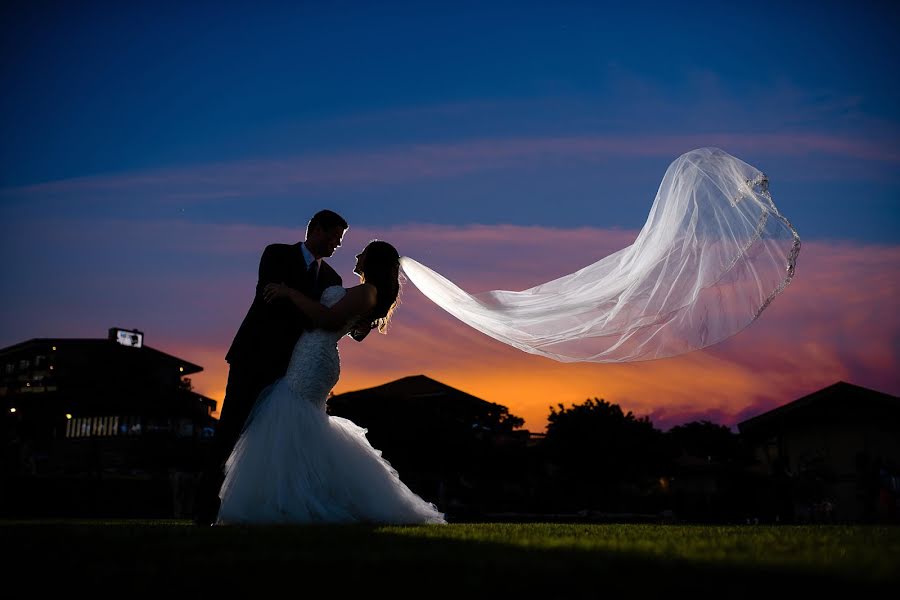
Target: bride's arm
{"x": 357, "y": 301}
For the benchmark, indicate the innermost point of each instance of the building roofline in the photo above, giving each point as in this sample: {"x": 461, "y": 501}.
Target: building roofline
{"x": 189, "y": 367}
{"x": 389, "y": 387}
{"x": 773, "y": 416}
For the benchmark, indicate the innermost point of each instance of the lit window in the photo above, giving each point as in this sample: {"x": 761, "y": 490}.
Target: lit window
{"x": 69, "y": 416}
{"x": 181, "y": 369}
{"x": 54, "y": 348}
{"x": 12, "y": 410}
{"x": 24, "y": 364}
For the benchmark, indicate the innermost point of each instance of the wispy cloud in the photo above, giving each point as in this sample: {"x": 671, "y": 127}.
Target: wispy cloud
{"x": 412, "y": 162}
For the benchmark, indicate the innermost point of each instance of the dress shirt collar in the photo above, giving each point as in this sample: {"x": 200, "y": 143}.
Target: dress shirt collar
{"x": 308, "y": 256}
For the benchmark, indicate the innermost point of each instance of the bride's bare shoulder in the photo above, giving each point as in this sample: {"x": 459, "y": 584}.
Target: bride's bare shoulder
{"x": 365, "y": 292}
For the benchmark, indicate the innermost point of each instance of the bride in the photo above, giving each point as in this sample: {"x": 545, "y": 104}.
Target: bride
{"x": 294, "y": 463}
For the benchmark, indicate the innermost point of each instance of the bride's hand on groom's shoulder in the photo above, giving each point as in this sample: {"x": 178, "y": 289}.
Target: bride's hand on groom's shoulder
{"x": 274, "y": 291}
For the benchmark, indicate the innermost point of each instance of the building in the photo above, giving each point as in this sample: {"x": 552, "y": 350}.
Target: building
{"x": 832, "y": 456}
{"x": 102, "y": 411}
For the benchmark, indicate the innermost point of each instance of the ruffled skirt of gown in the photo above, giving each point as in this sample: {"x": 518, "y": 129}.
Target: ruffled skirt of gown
{"x": 294, "y": 463}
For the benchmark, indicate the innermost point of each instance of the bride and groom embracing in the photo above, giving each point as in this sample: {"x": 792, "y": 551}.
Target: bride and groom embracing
{"x": 713, "y": 254}
{"x": 278, "y": 457}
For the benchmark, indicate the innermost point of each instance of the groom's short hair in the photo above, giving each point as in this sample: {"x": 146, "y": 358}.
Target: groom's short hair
{"x": 326, "y": 219}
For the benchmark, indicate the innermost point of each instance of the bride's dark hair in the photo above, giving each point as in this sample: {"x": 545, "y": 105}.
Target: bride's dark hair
{"x": 381, "y": 268}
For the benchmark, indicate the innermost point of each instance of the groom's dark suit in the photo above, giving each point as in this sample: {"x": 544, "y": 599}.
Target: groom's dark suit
{"x": 260, "y": 354}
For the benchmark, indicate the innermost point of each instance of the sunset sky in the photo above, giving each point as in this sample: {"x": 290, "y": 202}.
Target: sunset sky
{"x": 150, "y": 154}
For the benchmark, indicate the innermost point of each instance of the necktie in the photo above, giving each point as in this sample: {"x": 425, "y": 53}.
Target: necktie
{"x": 313, "y": 271}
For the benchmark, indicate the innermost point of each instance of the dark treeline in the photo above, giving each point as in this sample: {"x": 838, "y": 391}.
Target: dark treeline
{"x": 597, "y": 461}
{"x": 593, "y": 459}
{"x": 471, "y": 457}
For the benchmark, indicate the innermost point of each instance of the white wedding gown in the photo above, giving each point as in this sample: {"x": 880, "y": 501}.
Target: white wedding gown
{"x": 294, "y": 463}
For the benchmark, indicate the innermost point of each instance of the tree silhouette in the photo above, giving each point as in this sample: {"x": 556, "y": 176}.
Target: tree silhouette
{"x": 605, "y": 457}
{"x": 496, "y": 418}
{"x": 704, "y": 439}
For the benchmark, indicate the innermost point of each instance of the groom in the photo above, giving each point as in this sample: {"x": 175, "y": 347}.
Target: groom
{"x": 263, "y": 345}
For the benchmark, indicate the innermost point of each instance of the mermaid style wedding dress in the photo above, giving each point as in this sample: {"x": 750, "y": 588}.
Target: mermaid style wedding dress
{"x": 294, "y": 463}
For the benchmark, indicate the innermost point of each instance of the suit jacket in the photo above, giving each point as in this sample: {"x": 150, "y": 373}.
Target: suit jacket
{"x": 266, "y": 338}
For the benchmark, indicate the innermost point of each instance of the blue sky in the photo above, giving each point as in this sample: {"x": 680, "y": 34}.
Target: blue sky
{"x": 114, "y": 89}
{"x": 154, "y": 150}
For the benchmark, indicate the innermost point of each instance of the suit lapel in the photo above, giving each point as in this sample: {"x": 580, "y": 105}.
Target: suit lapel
{"x": 327, "y": 276}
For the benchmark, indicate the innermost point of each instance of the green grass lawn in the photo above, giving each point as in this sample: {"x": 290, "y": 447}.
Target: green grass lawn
{"x": 531, "y": 559}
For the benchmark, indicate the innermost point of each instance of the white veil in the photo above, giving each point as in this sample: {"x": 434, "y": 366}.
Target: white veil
{"x": 712, "y": 255}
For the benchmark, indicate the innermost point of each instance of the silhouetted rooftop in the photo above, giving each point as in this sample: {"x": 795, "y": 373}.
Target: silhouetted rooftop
{"x": 840, "y": 400}
{"x": 418, "y": 402}
{"x": 102, "y": 345}
{"x": 412, "y": 388}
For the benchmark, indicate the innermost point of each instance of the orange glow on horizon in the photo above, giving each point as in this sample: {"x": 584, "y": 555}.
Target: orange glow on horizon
{"x": 670, "y": 390}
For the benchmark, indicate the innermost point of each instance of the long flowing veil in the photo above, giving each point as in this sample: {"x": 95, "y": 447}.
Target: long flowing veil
{"x": 712, "y": 255}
